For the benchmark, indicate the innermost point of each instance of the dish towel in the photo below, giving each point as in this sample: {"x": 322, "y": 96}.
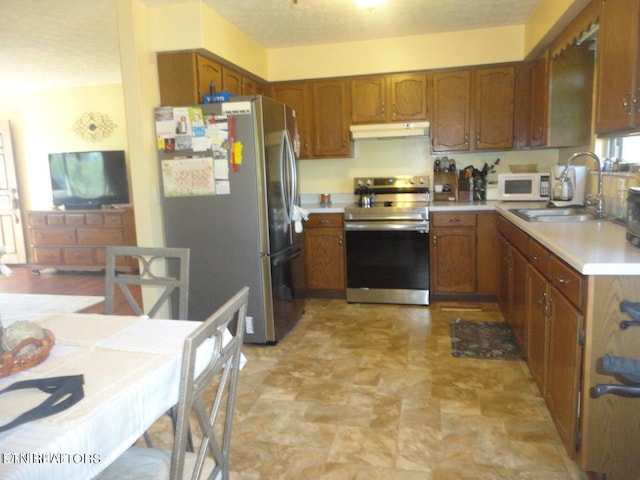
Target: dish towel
{"x": 297, "y": 216}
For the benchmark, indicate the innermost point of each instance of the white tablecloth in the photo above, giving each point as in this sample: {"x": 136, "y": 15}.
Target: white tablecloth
{"x": 131, "y": 368}
{"x": 29, "y": 306}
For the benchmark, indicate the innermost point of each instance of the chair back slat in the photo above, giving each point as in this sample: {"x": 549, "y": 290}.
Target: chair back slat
{"x": 161, "y": 267}
{"x": 210, "y": 349}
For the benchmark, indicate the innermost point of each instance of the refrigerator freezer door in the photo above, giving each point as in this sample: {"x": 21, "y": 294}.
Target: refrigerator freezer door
{"x": 287, "y": 288}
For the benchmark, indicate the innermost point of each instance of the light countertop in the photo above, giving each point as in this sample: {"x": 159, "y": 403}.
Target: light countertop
{"x": 592, "y": 247}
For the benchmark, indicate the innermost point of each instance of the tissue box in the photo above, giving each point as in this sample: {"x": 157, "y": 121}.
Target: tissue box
{"x": 218, "y": 97}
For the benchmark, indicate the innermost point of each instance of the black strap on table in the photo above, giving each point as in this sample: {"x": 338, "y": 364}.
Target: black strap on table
{"x": 65, "y": 392}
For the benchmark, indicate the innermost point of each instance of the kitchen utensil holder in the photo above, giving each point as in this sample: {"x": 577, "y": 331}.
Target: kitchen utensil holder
{"x": 446, "y": 178}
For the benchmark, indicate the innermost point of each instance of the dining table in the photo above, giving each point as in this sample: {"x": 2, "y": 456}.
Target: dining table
{"x": 26, "y": 306}
{"x": 131, "y": 369}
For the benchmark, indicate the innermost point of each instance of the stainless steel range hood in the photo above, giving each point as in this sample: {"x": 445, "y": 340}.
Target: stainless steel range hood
{"x": 390, "y": 130}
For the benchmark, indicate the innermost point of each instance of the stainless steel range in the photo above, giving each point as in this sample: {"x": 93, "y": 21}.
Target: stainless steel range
{"x": 387, "y": 241}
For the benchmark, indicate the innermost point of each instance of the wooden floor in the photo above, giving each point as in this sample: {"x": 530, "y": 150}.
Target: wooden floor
{"x": 23, "y": 280}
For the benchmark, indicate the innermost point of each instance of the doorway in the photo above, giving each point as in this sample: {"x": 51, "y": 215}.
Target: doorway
{"x": 11, "y": 231}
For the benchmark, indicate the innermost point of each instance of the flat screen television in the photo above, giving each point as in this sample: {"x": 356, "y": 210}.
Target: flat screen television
{"x": 89, "y": 180}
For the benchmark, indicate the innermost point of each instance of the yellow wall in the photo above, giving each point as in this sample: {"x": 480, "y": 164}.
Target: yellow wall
{"x": 547, "y": 21}
{"x": 42, "y": 122}
{"x": 141, "y": 95}
{"x": 193, "y": 25}
{"x": 473, "y": 47}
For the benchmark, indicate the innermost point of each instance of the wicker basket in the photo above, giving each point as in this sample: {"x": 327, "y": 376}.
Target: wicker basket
{"x": 11, "y": 362}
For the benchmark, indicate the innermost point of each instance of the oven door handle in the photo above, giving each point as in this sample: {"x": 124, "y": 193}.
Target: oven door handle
{"x": 422, "y": 227}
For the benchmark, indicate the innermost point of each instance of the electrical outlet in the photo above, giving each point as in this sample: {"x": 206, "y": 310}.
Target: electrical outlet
{"x": 248, "y": 323}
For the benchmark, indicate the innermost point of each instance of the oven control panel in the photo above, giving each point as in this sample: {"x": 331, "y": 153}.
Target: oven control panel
{"x": 408, "y": 184}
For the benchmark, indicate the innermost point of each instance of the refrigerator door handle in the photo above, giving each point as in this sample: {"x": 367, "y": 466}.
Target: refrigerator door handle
{"x": 286, "y": 177}
{"x": 281, "y": 260}
{"x": 291, "y": 165}
{"x": 292, "y": 168}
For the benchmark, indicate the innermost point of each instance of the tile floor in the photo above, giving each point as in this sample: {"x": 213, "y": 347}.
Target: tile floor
{"x": 359, "y": 391}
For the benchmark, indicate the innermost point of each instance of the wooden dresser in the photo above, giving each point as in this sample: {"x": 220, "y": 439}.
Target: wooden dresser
{"x": 76, "y": 239}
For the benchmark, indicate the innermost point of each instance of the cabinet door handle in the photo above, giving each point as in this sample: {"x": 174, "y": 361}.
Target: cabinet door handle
{"x": 466, "y": 138}
{"x": 324, "y": 222}
{"x": 382, "y": 108}
{"x": 454, "y": 220}
{"x": 535, "y": 257}
{"x": 627, "y": 100}
{"x": 435, "y": 239}
{"x": 547, "y": 309}
{"x": 562, "y": 280}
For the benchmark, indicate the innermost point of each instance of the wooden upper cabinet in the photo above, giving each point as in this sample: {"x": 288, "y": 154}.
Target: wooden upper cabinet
{"x": 618, "y": 63}
{"x": 184, "y": 77}
{"x": 331, "y": 113}
{"x": 450, "y": 111}
{"x": 539, "y": 102}
{"x": 208, "y": 71}
{"x": 389, "y": 98}
{"x": 297, "y": 95}
{"x": 231, "y": 81}
{"x": 369, "y": 99}
{"x": 473, "y": 109}
{"x": 494, "y": 107}
{"x": 408, "y": 95}
{"x": 250, "y": 86}
{"x": 522, "y": 104}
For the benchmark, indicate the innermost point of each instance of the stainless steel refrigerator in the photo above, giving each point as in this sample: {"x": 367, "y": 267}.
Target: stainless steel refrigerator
{"x": 240, "y": 228}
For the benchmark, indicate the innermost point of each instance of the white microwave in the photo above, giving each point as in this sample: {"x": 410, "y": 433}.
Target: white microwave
{"x": 523, "y": 186}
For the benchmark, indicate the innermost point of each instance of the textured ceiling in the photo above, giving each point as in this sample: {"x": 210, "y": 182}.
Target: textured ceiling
{"x": 281, "y": 23}
{"x": 58, "y": 43}
{"x": 62, "y": 43}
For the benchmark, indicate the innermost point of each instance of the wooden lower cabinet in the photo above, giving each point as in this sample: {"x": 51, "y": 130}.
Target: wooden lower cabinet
{"x": 325, "y": 255}
{"x": 517, "y": 297}
{"x": 564, "y": 366}
{"x": 610, "y": 425}
{"x": 453, "y": 253}
{"x": 76, "y": 239}
{"x": 537, "y": 312}
{"x": 543, "y": 300}
{"x": 464, "y": 246}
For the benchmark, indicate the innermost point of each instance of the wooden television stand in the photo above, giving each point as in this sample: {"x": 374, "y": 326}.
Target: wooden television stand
{"x": 76, "y": 239}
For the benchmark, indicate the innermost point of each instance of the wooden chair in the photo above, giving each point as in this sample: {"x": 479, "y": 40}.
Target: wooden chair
{"x": 166, "y": 268}
{"x": 220, "y": 363}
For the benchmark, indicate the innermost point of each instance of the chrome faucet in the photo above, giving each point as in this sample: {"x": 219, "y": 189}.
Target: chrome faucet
{"x": 597, "y": 198}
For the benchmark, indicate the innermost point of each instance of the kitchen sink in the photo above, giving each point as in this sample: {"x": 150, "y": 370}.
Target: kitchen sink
{"x": 568, "y": 214}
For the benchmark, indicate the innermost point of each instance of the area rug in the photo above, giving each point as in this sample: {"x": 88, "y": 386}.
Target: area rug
{"x": 486, "y": 340}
